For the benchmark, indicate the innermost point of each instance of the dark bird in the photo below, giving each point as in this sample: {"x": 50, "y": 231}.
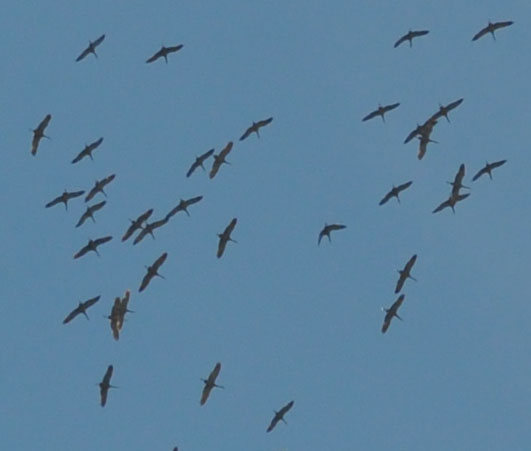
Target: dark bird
{"x": 491, "y": 28}
{"x": 380, "y": 111}
{"x": 487, "y": 169}
{"x": 457, "y": 184}
{"x": 219, "y": 159}
{"x": 149, "y": 228}
{"x": 152, "y": 271}
{"x": 137, "y": 224}
{"x": 118, "y": 312}
{"x": 224, "y": 237}
{"x": 444, "y": 110}
{"x": 279, "y": 416}
{"x": 38, "y": 133}
{"x": 405, "y": 274}
{"x": 391, "y": 312}
{"x": 395, "y": 192}
{"x": 89, "y": 212}
{"x": 81, "y": 308}
{"x": 91, "y": 48}
{"x": 164, "y": 52}
{"x": 210, "y": 383}
{"x": 98, "y": 187}
{"x": 92, "y": 246}
{"x": 87, "y": 151}
{"x": 199, "y": 162}
{"x": 409, "y": 36}
{"x": 105, "y": 384}
{"x": 424, "y": 137}
{"x": 183, "y": 206}
{"x": 64, "y": 198}
{"x": 327, "y": 229}
{"x": 450, "y": 202}
{"x": 424, "y": 129}
{"x": 255, "y": 128}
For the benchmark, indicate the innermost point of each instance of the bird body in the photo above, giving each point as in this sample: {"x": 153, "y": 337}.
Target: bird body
{"x": 210, "y": 383}
{"x": 38, "y": 133}
{"x": 164, "y": 52}
{"x": 152, "y": 271}
{"x": 81, "y": 309}
{"x": 118, "y": 311}
{"x": 391, "y": 312}
{"x": 279, "y": 416}
{"x": 395, "y": 192}
{"x": 327, "y": 229}
{"x": 457, "y": 184}
{"x": 87, "y": 151}
{"x": 91, "y": 48}
{"x": 225, "y": 237}
{"x": 256, "y": 127}
{"x": 405, "y": 274}
{"x": 409, "y": 36}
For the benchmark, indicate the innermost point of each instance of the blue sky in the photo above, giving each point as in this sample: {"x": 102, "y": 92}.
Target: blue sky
{"x": 287, "y": 319}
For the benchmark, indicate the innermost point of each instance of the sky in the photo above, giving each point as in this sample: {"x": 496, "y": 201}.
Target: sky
{"x": 288, "y": 319}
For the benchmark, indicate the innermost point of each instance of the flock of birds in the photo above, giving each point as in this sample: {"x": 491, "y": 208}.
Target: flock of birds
{"x": 142, "y": 227}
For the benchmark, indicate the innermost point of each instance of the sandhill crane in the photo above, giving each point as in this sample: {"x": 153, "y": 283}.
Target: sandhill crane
{"x": 444, "y": 110}
{"x": 219, "y": 159}
{"x": 98, "y": 187}
{"x": 164, "y": 52}
{"x": 152, "y": 271}
{"x": 81, "y": 308}
{"x": 64, "y": 198}
{"x": 409, "y": 36}
{"x": 118, "y": 311}
{"x": 183, "y": 206}
{"x": 256, "y": 127}
{"x": 92, "y": 245}
{"x": 491, "y": 28}
{"x": 199, "y": 162}
{"x": 457, "y": 184}
{"x": 451, "y": 202}
{"x": 210, "y": 383}
{"x": 225, "y": 237}
{"x": 327, "y": 229}
{"x": 137, "y": 224}
{"x": 105, "y": 384}
{"x": 424, "y": 137}
{"x": 149, "y": 228}
{"x": 487, "y": 169}
{"x": 395, "y": 192}
{"x": 405, "y": 274}
{"x": 91, "y": 48}
{"x": 279, "y": 416}
{"x": 391, "y": 312}
{"x": 89, "y": 212}
{"x": 87, "y": 151}
{"x": 38, "y": 133}
{"x": 380, "y": 111}
{"x": 424, "y": 129}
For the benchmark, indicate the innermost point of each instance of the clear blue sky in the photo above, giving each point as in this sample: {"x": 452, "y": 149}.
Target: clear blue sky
{"x": 288, "y": 320}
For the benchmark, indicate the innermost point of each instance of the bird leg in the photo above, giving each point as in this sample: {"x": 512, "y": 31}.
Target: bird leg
{"x": 411, "y": 277}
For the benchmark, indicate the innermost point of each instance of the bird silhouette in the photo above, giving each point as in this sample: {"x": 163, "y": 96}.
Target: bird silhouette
{"x": 409, "y": 36}
{"x": 225, "y": 237}
{"x": 487, "y": 169}
{"x": 91, "y": 48}
{"x": 38, "y": 133}
{"x": 105, "y": 384}
{"x": 164, "y": 52}
{"x": 451, "y": 202}
{"x": 395, "y": 192}
{"x": 255, "y": 128}
{"x": 89, "y": 212}
{"x": 405, "y": 274}
{"x": 199, "y": 162}
{"x": 380, "y": 111}
{"x": 87, "y": 151}
{"x": 457, "y": 184}
{"x": 118, "y": 311}
{"x": 64, "y": 198}
{"x": 391, "y": 312}
{"x": 152, "y": 271}
{"x": 210, "y": 383}
{"x": 327, "y": 229}
{"x": 98, "y": 187}
{"x": 491, "y": 28}
{"x": 183, "y": 206}
{"x": 445, "y": 109}
{"x": 148, "y": 229}
{"x": 137, "y": 224}
{"x": 219, "y": 159}
{"x": 279, "y": 416}
{"x": 81, "y": 309}
{"x": 92, "y": 245}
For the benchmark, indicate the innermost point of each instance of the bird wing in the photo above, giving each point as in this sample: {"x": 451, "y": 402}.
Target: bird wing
{"x": 84, "y": 217}
{"x": 221, "y": 246}
{"x": 205, "y": 393}
{"x": 410, "y": 263}
{"x": 336, "y": 227}
{"x": 286, "y": 408}
{"x": 94, "y": 145}
{"x": 273, "y": 423}
{"x": 250, "y": 130}
{"x": 57, "y": 200}
{"x": 175, "y": 48}
{"x": 215, "y": 167}
{"x": 442, "y": 206}
{"x": 83, "y": 54}
{"x": 91, "y": 302}
{"x": 225, "y": 151}
{"x": 72, "y": 314}
{"x": 371, "y": 115}
{"x": 159, "y": 261}
{"x": 98, "y": 41}
{"x": 141, "y": 235}
{"x": 386, "y": 198}
{"x": 108, "y": 179}
{"x": 214, "y": 373}
{"x": 423, "y": 145}
{"x": 391, "y": 107}
{"x": 264, "y": 122}
{"x": 412, "y": 134}
{"x": 497, "y": 164}
{"x": 400, "y": 282}
{"x": 482, "y": 171}
{"x": 193, "y": 200}
{"x": 453, "y": 105}
{"x": 74, "y": 194}
{"x": 387, "y": 322}
{"x": 481, "y": 33}
{"x": 82, "y": 251}
{"x": 401, "y": 40}
{"x": 102, "y": 240}
{"x": 145, "y": 280}
{"x": 156, "y": 56}
{"x": 404, "y": 186}
{"x": 80, "y": 156}
{"x": 498, "y": 25}
{"x": 94, "y": 190}
{"x": 194, "y": 166}
{"x": 416, "y": 34}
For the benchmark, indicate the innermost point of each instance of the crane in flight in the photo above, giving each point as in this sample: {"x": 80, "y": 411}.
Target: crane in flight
{"x": 279, "y": 416}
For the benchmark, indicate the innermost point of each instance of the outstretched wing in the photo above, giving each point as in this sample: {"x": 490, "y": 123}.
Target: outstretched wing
{"x": 83, "y": 54}
{"x": 416, "y": 34}
{"x": 401, "y": 40}
{"x": 98, "y": 41}
{"x": 72, "y": 314}
{"x": 156, "y": 56}
{"x": 57, "y": 200}
{"x": 481, "y": 33}
{"x": 442, "y": 206}
{"x": 82, "y": 251}
{"x": 497, "y": 164}
{"x": 404, "y": 186}
{"x": 481, "y": 172}
{"x": 386, "y": 197}
{"x": 175, "y": 48}
{"x": 371, "y": 115}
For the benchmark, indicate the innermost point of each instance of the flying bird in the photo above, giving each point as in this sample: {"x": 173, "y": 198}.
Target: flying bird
{"x": 98, "y": 187}
{"x": 64, "y": 198}
{"x": 391, "y": 312}
{"x": 444, "y": 110}
{"x": 149, "y": 228}
{"x": 224, "y": 237}
{"x": 395, "y": 192}
{"x": 118, "y": 311}
{"x": 450, "y": 202}
{"x": 219, "y": 159}
{"x": 380, "y": 111}
{"x": 89, "y": 212}
{"x": 256, "y": 127}
{"x": 105, "y": 384}
{"x": 405, "y": 274}
{"x": 279, "y": 416}
{"x": 87, "y": 151}
{"x": 199, "y": 162}
{"x": 491, "y": 28}
{"x": 424, "y": 129}
{"x": 457, "y": 184}
{"x": 92, "y": 246}
{"x": 327, "y": 229}
{"x": 164, "y": 52}
{"x": 152, "y": 271}
{"x": 183, "y": 206}
{"x": 424, "y": 137}
{"x": 38, "y": 133}
{"x": 81, "y": 308}
{"x": 210, "y": 383}
{"x": 91, "y": 48}
{"x": 137, "y": 224}
{"x": 487, "y": 169}
{"x": 409, "y": 36}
